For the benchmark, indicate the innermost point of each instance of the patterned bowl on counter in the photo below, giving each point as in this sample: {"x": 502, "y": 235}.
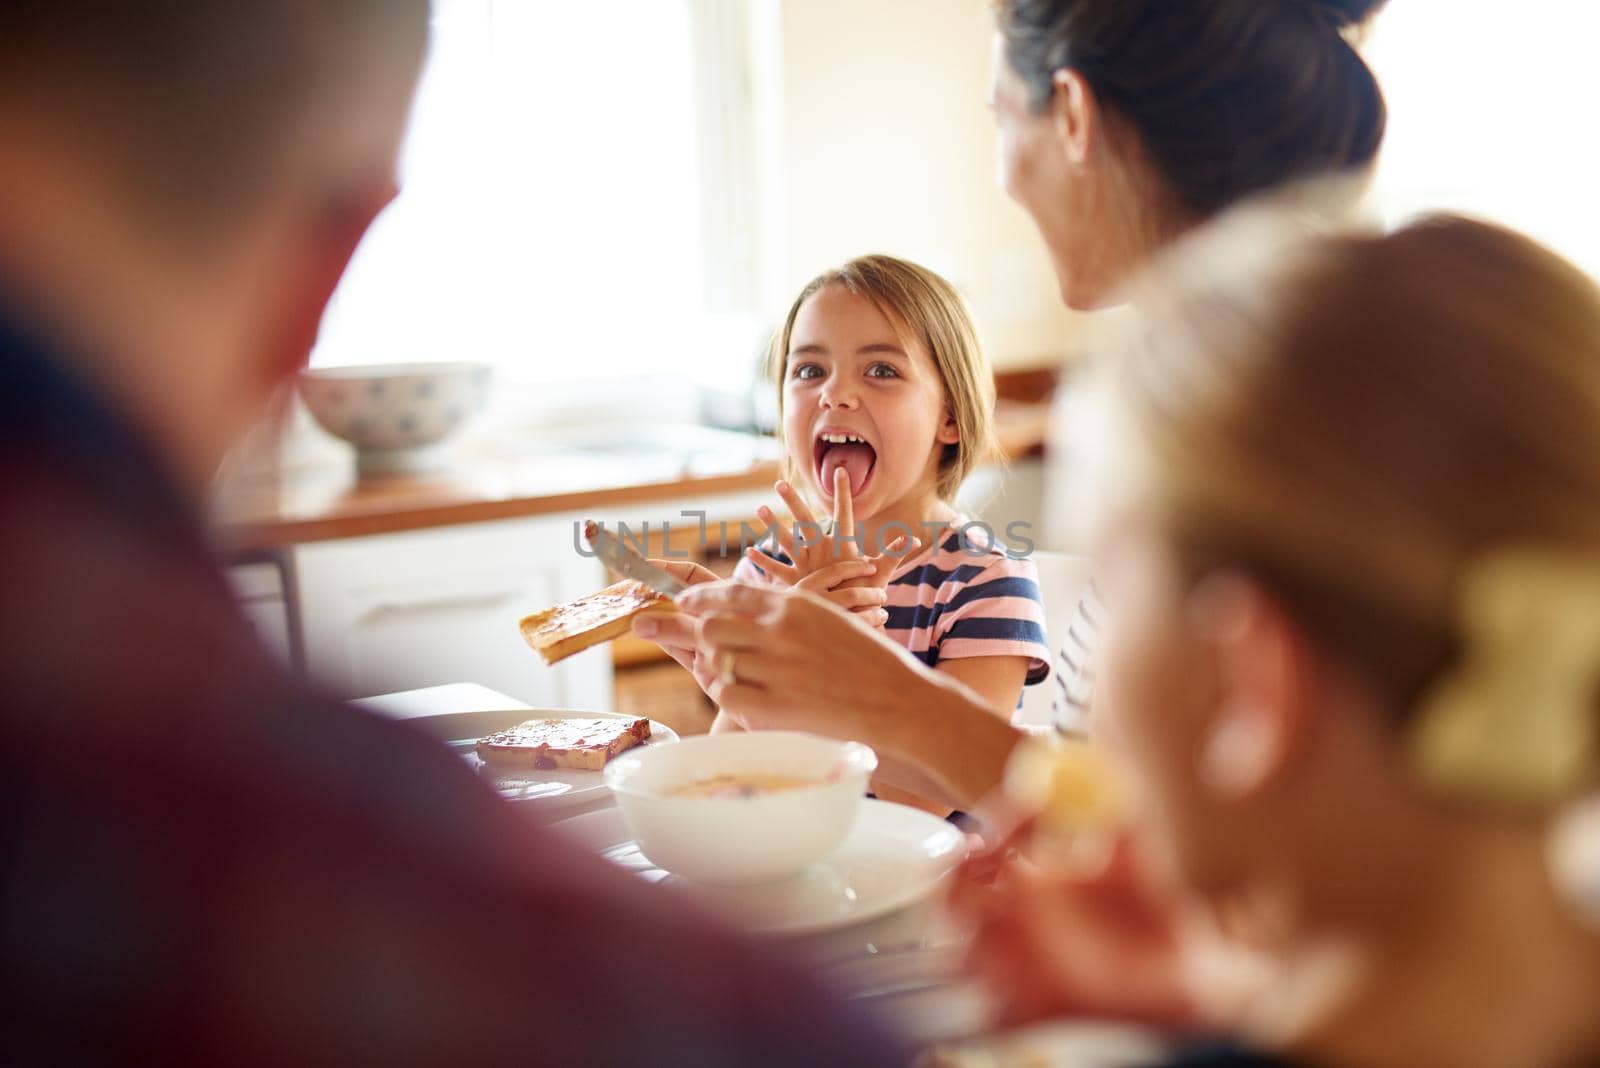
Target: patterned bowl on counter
{"x": 396, "y": 414}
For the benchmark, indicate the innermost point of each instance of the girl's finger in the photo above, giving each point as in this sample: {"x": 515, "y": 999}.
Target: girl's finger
{"x": 797, "y": 505}
{"x": 856, "y": 598}
{"x": 687, "y": 570}
{"x": 804, "y": 536}
{"x": 871, "y": 616}
{"x": 900, "y": 548}
{"x": 776, "y": 529}
{"x": 890, "y": 558}
{"x": 844, "y": 515}
{"x": 775, "y": 568}
{"x": 887, "y": 561}
{"x": 826, "y": 578}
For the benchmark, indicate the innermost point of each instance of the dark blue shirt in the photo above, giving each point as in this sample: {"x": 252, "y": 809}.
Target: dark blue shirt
{"x": 205, "y": 861}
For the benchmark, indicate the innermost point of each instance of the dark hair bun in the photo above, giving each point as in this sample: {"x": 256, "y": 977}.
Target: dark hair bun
{"x": 1346, "y": 12}
{"x": 1229, "y": 97}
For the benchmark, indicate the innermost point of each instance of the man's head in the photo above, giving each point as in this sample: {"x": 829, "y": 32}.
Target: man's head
{"x": 182, "y": 185}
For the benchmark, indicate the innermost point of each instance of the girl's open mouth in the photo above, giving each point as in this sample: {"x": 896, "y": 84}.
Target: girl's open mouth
{"x": 834, "y": 450}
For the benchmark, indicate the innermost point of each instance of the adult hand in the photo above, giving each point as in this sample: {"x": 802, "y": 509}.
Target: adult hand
{"x": 1100, "y": 944}
{"x": 815, "y": 554}
{"x": 787, "y": 659}
{"x": 1106, "y": 942}
{"x": 775, "y": 658}
{"x": 677, "y": 634}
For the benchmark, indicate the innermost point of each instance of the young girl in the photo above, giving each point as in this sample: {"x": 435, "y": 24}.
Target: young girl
{"x": 1353, "y": 660}
{"x": 1122, "y": 125}
{"x": 887, "y": 403}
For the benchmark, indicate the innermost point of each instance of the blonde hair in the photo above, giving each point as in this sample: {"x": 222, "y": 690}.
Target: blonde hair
{"x": 1355, "y": 420}
{"x": 927, "y": 312}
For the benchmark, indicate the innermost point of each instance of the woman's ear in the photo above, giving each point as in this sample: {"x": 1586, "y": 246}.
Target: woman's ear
{"x": 1076, "y": 114}
{"x": 949, "y": 432}
{"x": 1262, "y": 712}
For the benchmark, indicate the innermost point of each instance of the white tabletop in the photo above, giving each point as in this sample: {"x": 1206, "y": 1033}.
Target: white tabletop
{"x": 457, "y": 697}
{"x": 440, "y": 701}
{"x": 902, "y": 963}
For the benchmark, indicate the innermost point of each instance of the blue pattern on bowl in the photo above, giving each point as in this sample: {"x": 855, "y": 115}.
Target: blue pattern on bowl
{"x": 427, "y": 402}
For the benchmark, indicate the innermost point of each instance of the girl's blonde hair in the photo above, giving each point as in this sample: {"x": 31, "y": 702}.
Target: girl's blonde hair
{"x": 926, "y": 311}
{"x": 1357, "y": 421}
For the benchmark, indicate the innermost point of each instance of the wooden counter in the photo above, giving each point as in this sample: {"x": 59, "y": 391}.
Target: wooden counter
{"x": 330, "y": 501}
{"x": 317, "y": 504}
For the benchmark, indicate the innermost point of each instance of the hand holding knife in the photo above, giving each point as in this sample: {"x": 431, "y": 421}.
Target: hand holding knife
{"x": 627, "y": 561}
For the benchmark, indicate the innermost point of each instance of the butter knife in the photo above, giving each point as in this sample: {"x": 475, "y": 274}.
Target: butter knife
{"x": 627, "y": 561}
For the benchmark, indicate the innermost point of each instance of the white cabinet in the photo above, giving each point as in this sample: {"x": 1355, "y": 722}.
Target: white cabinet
{"x": 424, "y": 608}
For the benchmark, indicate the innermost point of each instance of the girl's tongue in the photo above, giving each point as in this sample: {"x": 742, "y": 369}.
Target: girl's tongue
{"x": 857, "y": 460}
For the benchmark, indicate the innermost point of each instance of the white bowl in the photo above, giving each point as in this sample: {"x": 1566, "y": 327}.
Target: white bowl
{"x": 395, "y": 414}
{"x": 737, "y": 841}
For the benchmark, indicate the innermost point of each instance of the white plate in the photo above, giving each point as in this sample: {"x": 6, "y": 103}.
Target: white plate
{"x": 894, "y": 857}
{"x": 551, "y": 787}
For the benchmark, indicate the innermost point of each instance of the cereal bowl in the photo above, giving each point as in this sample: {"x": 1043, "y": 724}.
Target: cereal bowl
{"x": 395, "y": 414}
{"x": 739, "y": 809}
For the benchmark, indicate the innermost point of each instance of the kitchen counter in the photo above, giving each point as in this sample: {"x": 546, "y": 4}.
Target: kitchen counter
{"x": 506, "y": 479}
{"x": 321, "y": 503}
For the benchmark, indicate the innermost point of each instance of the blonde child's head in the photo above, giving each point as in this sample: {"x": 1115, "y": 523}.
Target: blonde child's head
{"x": 1354, "y": 582}
{"x": 1352, "y": 657}
{"x": 883, "y": 350}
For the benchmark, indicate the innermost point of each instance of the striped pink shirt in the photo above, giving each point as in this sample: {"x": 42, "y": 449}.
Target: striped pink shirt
{"x": 967, "y": 598}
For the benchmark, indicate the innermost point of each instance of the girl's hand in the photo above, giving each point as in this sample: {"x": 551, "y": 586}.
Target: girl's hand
{"x": 815, "y": 555}
{"x": 852, "y": 586}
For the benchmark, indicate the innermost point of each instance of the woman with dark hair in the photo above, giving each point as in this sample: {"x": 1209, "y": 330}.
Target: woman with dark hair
{"x": 1124, "y": 123}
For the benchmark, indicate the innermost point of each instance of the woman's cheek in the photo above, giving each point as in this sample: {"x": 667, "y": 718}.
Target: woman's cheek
{"x": 1012, "y": 164}
{"x": 1006, "y": 167}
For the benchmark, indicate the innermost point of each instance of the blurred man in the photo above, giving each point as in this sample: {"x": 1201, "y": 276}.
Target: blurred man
{"x": 203, "y": 861}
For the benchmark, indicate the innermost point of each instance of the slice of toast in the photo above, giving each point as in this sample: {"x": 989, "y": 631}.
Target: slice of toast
{"x": 579, "y": 744}
{"x": 557, "y": 633}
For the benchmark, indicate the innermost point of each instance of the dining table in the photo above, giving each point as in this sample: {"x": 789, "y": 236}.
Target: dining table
{"x": 905, "y": 964}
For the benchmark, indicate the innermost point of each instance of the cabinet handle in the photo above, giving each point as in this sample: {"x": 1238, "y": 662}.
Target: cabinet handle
{"x": 443, "y": 603}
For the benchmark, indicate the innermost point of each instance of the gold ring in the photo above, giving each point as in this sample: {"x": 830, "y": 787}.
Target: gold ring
{"x": 725, "y": 673}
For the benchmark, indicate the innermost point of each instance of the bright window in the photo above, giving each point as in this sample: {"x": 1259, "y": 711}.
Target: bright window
{"x": 550, "y": 218}
{"x": 1492, "y": 113}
